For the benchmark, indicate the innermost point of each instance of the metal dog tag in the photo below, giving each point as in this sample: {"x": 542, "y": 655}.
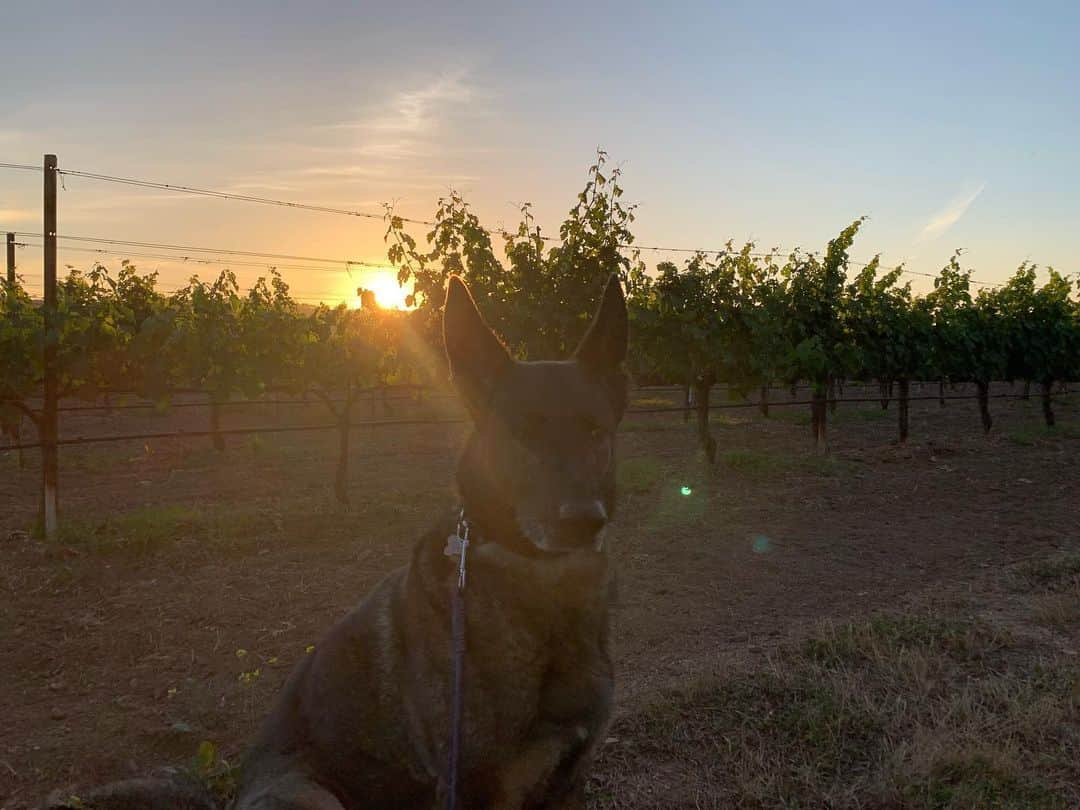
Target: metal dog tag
{"x": 454, "y": 545}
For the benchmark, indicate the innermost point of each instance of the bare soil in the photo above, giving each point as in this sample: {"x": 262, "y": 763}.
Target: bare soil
{"x": 188, "y": 582}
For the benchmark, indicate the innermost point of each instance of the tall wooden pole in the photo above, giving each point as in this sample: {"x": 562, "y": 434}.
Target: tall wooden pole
{"x": 49, "y": 423}
{"x": 11, "y": 258}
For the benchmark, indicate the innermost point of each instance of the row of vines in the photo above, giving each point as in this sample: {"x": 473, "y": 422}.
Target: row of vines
{"x": 745, "y": 318}
{"x": 750, "y": 321}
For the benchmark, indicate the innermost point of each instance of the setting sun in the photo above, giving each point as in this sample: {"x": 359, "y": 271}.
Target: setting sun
{"x": 388, "y": 293}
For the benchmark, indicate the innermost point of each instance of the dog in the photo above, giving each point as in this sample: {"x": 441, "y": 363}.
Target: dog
{"x": 364, "y": 721}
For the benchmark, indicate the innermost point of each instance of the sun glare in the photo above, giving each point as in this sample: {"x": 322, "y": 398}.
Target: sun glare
{"x": 388, "y": 294}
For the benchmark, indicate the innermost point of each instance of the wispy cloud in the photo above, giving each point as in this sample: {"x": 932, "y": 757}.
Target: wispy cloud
{"x": 379, "y": 144}
{"x": 18, "y": 215}
{"x": 342, "y": 170}
{"x": 950, "y": 214}
{"x": 407, "y": 126}
{"x": 415, "y": 112}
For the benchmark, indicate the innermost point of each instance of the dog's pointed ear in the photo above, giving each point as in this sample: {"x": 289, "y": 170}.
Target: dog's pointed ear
{"x": 603, "y": 349}
{"x": 477, "y": 357}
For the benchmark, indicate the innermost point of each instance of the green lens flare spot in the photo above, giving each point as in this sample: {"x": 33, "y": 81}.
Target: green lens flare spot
{"x": 762, "y": 544}
{"x": 685, "y": 490}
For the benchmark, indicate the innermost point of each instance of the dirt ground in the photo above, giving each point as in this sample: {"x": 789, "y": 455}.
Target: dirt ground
{"x": 188, "y": 582}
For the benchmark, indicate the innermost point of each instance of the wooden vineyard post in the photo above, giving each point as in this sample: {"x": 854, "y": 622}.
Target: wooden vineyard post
{"x": 11, "y": 284}
{"x": 819, "y": 414}
{"x": 983, "y": 392}
{"x": 702, "y": 390}
{"x": 1047, "y": 404}
{"x": 49, "y": 425}
{"x": 902, "y": 409}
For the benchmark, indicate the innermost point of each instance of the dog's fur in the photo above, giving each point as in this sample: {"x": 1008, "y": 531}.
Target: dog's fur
{"x": 363, "y": 722}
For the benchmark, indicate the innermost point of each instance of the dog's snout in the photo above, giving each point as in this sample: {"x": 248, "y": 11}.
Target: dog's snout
{"x": 583, "y": 519}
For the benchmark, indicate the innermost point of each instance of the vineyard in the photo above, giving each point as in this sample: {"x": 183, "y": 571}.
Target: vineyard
{"x": 847, "y": 532}
{"x": 748, "y": 320}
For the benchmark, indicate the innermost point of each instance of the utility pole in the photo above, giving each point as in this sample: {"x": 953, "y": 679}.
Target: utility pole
{"x": 11, "y": 258}
{"x": 49, "y": 422}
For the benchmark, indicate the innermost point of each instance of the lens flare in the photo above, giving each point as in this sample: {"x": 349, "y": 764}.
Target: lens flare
{"x": 762, "y": 544}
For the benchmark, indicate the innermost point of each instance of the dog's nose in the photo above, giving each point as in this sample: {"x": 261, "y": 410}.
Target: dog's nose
{"x": 582, "y": 519}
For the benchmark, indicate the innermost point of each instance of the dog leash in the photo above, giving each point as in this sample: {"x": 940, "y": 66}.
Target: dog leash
{"x": 457, "y": 545}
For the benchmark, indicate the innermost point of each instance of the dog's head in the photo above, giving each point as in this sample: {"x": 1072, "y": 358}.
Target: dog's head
{"x": 541, "y": 462}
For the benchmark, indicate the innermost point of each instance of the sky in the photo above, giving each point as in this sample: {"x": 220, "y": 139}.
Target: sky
{"x": 949, "y": 125}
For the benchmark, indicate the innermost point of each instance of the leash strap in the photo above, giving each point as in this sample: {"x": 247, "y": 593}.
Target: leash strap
{"x": 457, "y": 545}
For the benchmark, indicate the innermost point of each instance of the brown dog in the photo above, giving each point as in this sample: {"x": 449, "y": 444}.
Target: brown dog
{"x": 364, "y": 721}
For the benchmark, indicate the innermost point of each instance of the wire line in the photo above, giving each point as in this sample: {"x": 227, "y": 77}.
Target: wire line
{"x": 326, "y": 209}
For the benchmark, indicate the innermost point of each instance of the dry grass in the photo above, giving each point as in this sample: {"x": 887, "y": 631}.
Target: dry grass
{"x": 1054, "y": 585}
{"x": 895, "y": 711}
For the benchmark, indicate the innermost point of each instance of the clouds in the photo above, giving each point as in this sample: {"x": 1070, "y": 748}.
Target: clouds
{"x": 410, "y": 124}
{"x": 410, "y": 140}
{"x": 950, "y": 214}
{"x": 416, "y": 111}
{"x": 409, "y": 114}
{"x": 10, "y": 215}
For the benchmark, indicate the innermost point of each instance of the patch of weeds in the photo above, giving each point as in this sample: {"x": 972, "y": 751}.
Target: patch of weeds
{"x": 1056, "y": 573}
{"x": 213, "y": 771}
{"x": 238, "y": 528}
{"x": 892, "y": 711}
{"x": 1058, "y": 610}
{"x": 885, "y": 636}
{"x": 242, "y": 528}
{"x": 981, "y": 778}
{"x": 135, "y": 530}
{"x": 1054, "y": 583}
